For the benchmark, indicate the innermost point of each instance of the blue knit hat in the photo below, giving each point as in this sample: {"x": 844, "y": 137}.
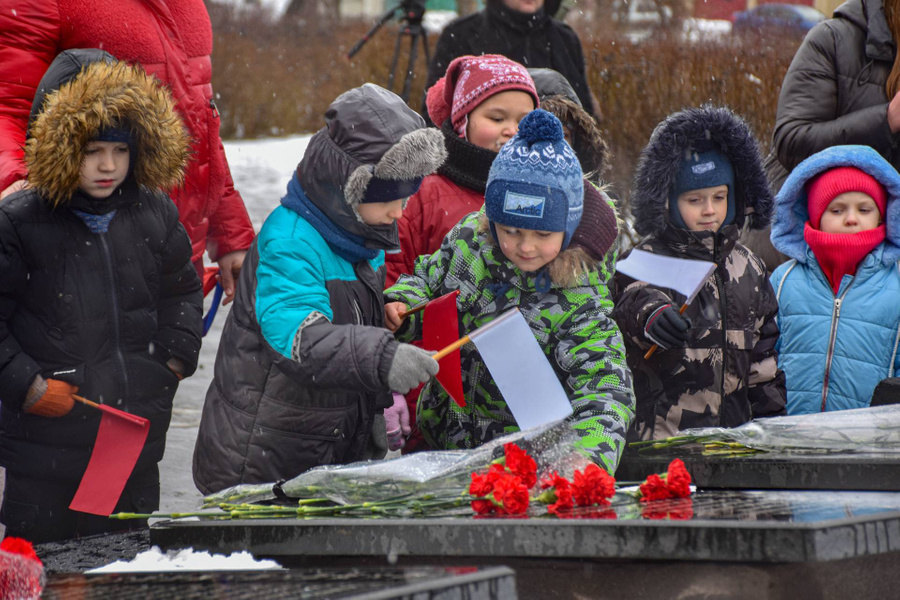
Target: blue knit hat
{"x": 536, "y": 180}
{"x": 702, "y": 170}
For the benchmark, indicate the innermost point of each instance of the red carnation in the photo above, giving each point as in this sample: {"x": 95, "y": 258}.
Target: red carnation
{"x": 511, "y": 494}
{"x": 654, "y": 489}
{"x": 592, "y": 486}
{"x": 678, "y": 480}
{"x": 559, "y": 495}
{"x": 521, "y": 464}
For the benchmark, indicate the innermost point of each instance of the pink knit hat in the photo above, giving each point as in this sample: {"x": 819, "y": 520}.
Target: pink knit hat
{"x": 469, "y": 81}
{"x": 827, "y": 186}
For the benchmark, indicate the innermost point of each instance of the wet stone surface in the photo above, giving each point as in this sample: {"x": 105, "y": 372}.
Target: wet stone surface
{"x": 770, "y": 470}
{"x": 749, "y": 526}
{"x": 420, "y": 583}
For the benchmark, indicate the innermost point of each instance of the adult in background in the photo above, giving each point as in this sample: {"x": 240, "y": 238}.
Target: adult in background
{"x": 522, "y": 30}
{"x": 843, "y": 87}
{"x": 170, "y": 40}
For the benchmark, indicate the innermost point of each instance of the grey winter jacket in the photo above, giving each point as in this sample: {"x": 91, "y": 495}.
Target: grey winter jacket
{"x": 302, "y": 367}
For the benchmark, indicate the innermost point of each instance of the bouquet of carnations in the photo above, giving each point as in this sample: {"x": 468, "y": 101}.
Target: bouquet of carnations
{"x": 527, "y": 473}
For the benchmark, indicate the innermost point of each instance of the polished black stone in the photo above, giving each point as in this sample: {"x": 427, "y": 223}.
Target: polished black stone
{"x": 773, "y": 471}
{"x": 745, "y": 526}
{"x": 419, "y": 583}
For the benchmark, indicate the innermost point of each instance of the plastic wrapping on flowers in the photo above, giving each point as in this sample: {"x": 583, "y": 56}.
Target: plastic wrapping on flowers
{"x": 552, "y": 446}
{"x": 863, "y": 430}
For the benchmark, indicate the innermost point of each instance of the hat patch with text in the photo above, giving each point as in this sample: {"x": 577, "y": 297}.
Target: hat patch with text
{"x": 523, "y": 205}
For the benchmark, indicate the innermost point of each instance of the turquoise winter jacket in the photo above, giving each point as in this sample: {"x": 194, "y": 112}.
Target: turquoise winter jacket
{"x": 835, "y": 349}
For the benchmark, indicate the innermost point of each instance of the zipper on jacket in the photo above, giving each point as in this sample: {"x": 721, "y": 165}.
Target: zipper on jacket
{"x": 720, "y": 286}
{"x": 117, "y": 342}
{"x": 215, "y": 109}
{"x": 829, "y": 356}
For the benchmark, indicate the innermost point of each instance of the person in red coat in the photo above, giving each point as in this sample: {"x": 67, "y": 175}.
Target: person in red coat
{"x": 171, "y": 40}
{"x": 479, "y": 104}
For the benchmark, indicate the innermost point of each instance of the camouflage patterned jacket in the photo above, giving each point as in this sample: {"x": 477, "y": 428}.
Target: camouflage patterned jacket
{"x": 700, "y": 385}
{"x": 728, "y": 373}
{"x": 571, "y": 323}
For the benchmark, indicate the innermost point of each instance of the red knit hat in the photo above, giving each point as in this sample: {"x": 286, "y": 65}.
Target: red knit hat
{"x": 825, "y": 187}
{"x": 469, "y": 81}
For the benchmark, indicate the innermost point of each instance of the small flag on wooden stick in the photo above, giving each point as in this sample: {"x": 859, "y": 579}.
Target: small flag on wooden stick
{"x": 520, "y": 369}
{"x": 680, "y": 274}
{"x": 120, "y": 440}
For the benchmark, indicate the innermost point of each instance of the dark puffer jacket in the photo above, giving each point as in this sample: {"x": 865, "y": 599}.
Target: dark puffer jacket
{"x": 532, "y": 40}
{"x": 302, "y": 368}
{"x": 834, "y": 91}
{"x": 99, "y": 302}
{"x": 727, "y": 374}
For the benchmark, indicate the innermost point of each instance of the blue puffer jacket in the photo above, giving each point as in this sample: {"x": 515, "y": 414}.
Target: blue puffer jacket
{"x": 835, "y": 349}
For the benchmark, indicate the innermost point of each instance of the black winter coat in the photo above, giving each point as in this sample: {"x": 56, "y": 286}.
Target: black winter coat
{"x": 532, "y": 40}
{"x": 99, "y": 299}
{"x": 104, "y": 311}
{"x": 834, "y": 90}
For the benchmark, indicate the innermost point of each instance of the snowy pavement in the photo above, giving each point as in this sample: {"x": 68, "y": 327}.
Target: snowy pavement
{"x": 261, "y": 170}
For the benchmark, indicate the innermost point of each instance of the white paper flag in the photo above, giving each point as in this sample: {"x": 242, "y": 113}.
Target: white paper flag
{"x": 521, "y": 370}
{"x": 680, "y": 274}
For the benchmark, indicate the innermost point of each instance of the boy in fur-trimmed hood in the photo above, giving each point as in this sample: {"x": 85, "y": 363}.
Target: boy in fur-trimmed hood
{"x": 97, "y": 292}
{"x": 698, "y": 180}
{"x": 519, "y": 251}
{"x": 305, "y": 369}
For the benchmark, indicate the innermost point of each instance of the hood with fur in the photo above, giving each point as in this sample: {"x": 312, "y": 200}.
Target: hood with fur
{"x": 791, "y": 205}
{"x": 105, "y": 94}
{"x": 369, "y": 133}
{"x": 587, "y": 139}
{"x": 699, "y": 130}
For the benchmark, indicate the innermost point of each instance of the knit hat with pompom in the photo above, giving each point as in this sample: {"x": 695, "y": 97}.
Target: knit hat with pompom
{"x": 536, "y": 180}
{"x": 470, "y": 80}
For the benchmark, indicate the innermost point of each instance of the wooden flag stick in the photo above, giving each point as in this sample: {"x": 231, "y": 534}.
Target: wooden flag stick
{"x": 413, "y": 310}
{"x": 457, "y": 344}
{"x": 655, "y": 346}
{"x": 86, "y": 401}
{"x": 421, "y": 307}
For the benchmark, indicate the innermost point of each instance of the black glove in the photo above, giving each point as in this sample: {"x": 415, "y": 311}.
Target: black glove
{"x": 666, "y": 328}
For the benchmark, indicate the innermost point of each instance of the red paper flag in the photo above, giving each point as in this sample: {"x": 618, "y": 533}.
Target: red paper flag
{"x": 120, "y": 440}
{"x": 440, "y": 328}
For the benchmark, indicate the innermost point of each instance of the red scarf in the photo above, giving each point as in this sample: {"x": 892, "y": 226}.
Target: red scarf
{"x": 840, "y": 253}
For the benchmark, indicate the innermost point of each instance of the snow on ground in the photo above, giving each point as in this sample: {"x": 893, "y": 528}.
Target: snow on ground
{"x": 154, "y": 560}
{"x": 261, "y": 170}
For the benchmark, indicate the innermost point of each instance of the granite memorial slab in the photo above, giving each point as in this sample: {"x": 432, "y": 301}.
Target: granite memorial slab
{"x": 771, "y": 471}
{"x": 373, "y": 583}
{"x": 743, "y": 526}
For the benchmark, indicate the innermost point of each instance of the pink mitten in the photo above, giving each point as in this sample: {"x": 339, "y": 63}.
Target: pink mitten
{"x": 397, "y": 420}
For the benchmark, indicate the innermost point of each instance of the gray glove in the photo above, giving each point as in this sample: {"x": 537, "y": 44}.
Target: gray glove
{"x": 411, "y": 366}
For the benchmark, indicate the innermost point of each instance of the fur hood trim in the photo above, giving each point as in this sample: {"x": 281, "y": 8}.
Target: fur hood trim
{"x": 106, "y": 95}
{"x": 791, "y": 205}
{"x": 417, "y": 154}
{"x": 566, "y": 270}
{"x": 699, "y": 130}
{"x": 588, "y": 143}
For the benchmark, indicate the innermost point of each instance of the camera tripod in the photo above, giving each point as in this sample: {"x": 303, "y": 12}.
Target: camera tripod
{"x": 411, "y": 12}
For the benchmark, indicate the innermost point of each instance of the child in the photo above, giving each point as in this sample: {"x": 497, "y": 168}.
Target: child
{"x": 697, "y": 179}
{"x": 838, "y": 218}
{"x": 499, "y": 259}
{"x": 478, "y": 105}
{"x": 97, "y": 292}
{"x": 305, "y": 368}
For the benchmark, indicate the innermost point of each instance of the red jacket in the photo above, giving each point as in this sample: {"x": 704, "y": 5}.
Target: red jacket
{"x": 429, "y": 215}
{"x": 171, "y": 40}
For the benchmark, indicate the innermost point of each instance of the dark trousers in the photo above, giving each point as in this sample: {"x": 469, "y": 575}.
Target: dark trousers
{"x": 38, "y": 509}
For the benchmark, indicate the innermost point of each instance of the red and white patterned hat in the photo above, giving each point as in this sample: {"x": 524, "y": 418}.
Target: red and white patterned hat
{"x": 469, "y": 81}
